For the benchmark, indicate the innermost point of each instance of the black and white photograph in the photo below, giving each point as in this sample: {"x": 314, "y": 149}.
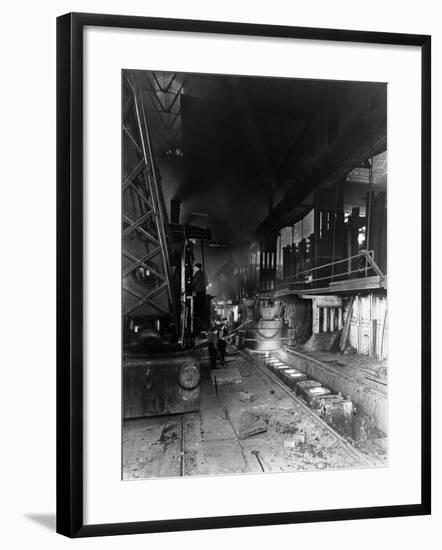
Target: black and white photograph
{"x": 254, "y": 274}
{"x": 222, "y": 254}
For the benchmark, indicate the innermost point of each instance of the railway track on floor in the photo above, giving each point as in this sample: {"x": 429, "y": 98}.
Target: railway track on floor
{"x": 265, "y": 372}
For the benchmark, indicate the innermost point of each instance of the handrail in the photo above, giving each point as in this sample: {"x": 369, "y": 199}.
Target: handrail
{"x": 368, "y": 255}
{"x": 374, "y": 265}
{"x": 361, "y": 254}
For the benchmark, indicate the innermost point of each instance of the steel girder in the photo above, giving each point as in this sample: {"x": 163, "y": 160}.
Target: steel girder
{"x": 145, "y": 258}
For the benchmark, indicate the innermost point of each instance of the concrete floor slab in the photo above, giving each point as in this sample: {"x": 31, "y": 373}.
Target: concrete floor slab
{"x": 208, "y": 398}
{"x": 151, "y": 447}
{"x": 215, "y": 425}
{"x": 209, "y": 439}
{"x": 215, "y": 457}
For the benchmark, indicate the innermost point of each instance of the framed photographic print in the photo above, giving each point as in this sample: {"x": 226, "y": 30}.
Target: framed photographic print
{"x": 243, "y": 274}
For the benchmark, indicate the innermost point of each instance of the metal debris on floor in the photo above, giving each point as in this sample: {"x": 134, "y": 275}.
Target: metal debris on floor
{"x": 276, "y": 432}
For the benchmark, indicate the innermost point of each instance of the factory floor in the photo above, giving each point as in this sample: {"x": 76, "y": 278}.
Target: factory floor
{"x": 208, "y": 442}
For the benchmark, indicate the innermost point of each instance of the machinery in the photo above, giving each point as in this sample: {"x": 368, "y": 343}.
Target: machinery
{"x": 160, "y": 373}
{"x": 163, "y": 384}
{"x": 268, "y": 331}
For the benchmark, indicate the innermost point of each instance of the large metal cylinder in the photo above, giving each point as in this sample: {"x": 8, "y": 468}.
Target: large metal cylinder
{"x": 266, "y": 335}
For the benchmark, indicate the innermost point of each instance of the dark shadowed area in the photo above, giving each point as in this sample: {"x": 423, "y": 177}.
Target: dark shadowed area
{"x": 251, "y": 149}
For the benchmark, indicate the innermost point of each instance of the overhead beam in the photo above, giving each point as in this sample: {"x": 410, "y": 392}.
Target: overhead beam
{"x": 363, "y": 136}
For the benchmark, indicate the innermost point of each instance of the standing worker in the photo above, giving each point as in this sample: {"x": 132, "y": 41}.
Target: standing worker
{"x": 217, "y": 342}
{"x": 213, "y": 344}
{"x": 222, "y": 333}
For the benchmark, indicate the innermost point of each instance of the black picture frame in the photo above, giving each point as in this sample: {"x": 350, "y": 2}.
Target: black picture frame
{"x": 70, "y": 273}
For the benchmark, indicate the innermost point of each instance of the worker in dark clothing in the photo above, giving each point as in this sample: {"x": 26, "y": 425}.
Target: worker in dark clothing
{"x": 213, "y": 338}
{"x": 217, "y": 342}
{"x": 256, "y": 309}
{"x": 199, "y": 281}
{"x": 199, "y": 287}
{"x": 222, "y": 333}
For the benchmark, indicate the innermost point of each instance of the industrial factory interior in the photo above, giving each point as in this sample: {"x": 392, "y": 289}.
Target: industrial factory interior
{"x": 254, "y": 275}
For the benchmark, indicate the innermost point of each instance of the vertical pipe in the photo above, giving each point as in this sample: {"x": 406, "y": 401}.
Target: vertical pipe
{"x": 278, "y": 257}
{"x": 370, "y": 182}
{"x": 183, "y": 294}
{"x": 191, "y": 315}
{"x": 368, "y": 213}
{"x": 373, "y": 343}
{"x": 334, "y": 229}
{"x": 324, "y": 319}
{"x": 359, "y": 325}
{"x": 316, "y": 230}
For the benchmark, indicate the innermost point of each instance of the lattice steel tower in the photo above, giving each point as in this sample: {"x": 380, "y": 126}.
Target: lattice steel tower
{"x": 147, "y": 283}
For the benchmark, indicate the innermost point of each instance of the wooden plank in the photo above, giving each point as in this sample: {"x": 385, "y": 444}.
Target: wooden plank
{"x": 366, "y": 282}
{"x": 346, "y": 329}
{"x": 343, "y": 286}
{"x": 384, "y": 335}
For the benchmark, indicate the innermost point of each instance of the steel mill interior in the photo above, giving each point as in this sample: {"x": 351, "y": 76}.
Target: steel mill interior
{"x": 254, "y": 274}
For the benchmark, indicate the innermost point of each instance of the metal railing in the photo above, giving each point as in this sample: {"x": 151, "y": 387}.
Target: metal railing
{"x": 308, "y": 279}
